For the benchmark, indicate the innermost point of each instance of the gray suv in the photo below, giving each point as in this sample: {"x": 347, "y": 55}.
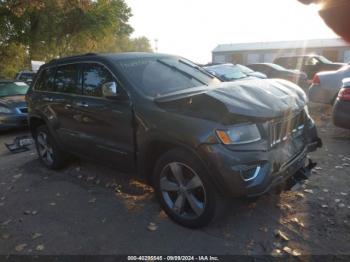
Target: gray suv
{"x": 197, "y": 140}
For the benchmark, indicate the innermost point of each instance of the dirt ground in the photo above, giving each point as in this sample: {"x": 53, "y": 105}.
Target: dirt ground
{"x": 91, "y": 209}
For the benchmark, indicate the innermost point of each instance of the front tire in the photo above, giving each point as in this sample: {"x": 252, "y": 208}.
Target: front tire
{"x": 48, "y": 151}
{"x": 184, "y": 190}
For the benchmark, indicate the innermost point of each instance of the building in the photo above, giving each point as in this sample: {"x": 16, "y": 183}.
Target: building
{"x": 247, "y": 53}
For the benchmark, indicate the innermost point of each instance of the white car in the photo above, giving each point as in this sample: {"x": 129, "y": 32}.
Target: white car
{"x": 326, "y": 85}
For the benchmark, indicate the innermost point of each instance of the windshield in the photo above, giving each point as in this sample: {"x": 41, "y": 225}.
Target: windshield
{"x": 245, "y": 69}
{"x": 227, "y": 72}
{"x": 157, "y": 76}
{"x": 13, "y": 89}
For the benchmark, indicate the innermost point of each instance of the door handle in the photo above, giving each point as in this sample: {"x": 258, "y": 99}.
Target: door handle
{"x": 82, "y": 104}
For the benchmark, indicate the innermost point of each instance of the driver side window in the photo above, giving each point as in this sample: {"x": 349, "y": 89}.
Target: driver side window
{"x": 95, "y": 76}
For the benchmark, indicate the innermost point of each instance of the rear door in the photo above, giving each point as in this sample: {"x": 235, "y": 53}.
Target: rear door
{"x": 67, "y": 83}
{"x": 104, "y": 125}
{"x": 54, "y": 89}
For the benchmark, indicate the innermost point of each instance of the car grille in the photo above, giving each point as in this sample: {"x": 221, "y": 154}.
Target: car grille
{"x": 282, "y": 130}
{"x": 23, "y": 110}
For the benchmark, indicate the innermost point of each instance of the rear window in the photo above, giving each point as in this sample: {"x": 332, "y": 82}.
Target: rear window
{"x": 46, "y": 79}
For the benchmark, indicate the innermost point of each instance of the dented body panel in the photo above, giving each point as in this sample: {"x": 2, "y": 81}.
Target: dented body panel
{"x": 189, "y": 118}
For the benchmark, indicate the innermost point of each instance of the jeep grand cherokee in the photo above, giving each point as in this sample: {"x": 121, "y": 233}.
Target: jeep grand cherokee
{"x": 196, "y": 139}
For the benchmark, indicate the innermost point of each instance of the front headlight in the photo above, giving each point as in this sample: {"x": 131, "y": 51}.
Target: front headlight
{"x": 4, "y": 110}
{"x": 237, "y": 135}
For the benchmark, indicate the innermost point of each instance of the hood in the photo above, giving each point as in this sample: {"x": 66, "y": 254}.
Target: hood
{"x": 260, "y": 98}
{"x": 13, "y": 101}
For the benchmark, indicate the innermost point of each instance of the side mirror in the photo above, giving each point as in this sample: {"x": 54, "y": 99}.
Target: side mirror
{"x": 109, "y": 89}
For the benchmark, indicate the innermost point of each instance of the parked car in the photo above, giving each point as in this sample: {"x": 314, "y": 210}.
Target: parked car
{"x": 245, "y": 70}
{"x": 25, "y": 76}
{"x": 341, "y": 109}
{"x": 250, "y": 72}
{"x": 277, "y": 71}
{"x": 227, "y": 72}
{"x": 195, "y": 139}
{"x": 13, "y": 108}
{"x": 310, "y": 64}
{"x": 326, "y": 85}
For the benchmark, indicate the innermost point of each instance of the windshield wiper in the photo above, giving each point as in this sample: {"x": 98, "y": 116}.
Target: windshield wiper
{"x": 198, "y": 68}
{"x": 181, "y": 71}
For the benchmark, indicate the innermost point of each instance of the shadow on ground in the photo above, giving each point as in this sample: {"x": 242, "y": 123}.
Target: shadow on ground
{"x": 91, "y": 209}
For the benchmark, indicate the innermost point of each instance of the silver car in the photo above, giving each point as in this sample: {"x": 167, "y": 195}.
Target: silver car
{"x": 326, "y": 85}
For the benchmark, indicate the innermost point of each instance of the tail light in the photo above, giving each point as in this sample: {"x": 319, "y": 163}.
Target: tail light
{"x": 344, "y": 94}
{"x": 316, "y": 80}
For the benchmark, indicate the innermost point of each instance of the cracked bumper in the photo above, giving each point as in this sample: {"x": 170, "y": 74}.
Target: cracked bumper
{"x": 251, "y": 173}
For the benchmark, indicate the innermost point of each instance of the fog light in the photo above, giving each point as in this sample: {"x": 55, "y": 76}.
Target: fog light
{"x": 250, "y": 174}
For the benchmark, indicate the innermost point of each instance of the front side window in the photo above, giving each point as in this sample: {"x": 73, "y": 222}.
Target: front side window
{"x": 156, "y": 76}
{"x": 94, "y": 77}
{"x": 67, "y": 79}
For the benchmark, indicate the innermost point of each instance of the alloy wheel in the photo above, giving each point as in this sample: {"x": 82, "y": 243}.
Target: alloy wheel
{"x": 182, "y": 190}
{"x": 45, "y": 149}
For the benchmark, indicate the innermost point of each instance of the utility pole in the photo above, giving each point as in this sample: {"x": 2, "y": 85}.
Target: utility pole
{"x": 156, "y": 45}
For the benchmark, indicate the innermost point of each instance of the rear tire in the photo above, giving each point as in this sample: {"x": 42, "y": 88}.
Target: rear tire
{"x": 48, "y": 151}
{"x": 184, "y": 189}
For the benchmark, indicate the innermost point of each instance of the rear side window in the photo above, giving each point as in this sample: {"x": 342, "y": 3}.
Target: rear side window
{"x": 46, "y": 80}
{"x": 94, "y": 76}
{"x": 67, "y": 79}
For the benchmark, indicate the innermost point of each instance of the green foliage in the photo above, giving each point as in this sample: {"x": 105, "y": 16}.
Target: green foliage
{"x": 55, "y": 28}
{"x": 12, "y": 58}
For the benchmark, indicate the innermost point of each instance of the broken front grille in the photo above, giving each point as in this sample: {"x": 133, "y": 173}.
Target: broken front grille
{"x": 288, "y": 127}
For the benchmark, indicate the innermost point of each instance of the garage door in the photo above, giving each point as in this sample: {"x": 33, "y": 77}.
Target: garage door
{"x": 347, "y": 56}
{"x": 253, "y": 58}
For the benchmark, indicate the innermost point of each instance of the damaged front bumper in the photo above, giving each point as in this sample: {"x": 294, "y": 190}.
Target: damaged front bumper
{"x": 243, "y": 172}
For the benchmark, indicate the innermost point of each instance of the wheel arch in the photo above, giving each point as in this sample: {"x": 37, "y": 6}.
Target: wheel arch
{"x": 34, "y": 123}
{"x": 150, "y": 152}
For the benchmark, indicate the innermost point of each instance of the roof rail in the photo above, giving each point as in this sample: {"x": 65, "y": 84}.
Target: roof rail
{"x": 86, "y": 54}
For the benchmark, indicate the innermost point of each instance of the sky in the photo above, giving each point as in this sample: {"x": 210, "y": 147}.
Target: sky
{"x": 193, "y": 28}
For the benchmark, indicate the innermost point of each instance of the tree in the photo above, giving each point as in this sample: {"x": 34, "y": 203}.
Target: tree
{"x": 54, "y": 28}
{"x": 139, "y": 44}
{"x": 12, "y": 58}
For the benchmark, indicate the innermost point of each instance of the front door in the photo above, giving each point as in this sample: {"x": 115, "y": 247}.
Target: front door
{"x": 104, "y": 125}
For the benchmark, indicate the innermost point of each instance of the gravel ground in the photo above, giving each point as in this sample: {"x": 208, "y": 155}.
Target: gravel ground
{"x": 91, "y": 209}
